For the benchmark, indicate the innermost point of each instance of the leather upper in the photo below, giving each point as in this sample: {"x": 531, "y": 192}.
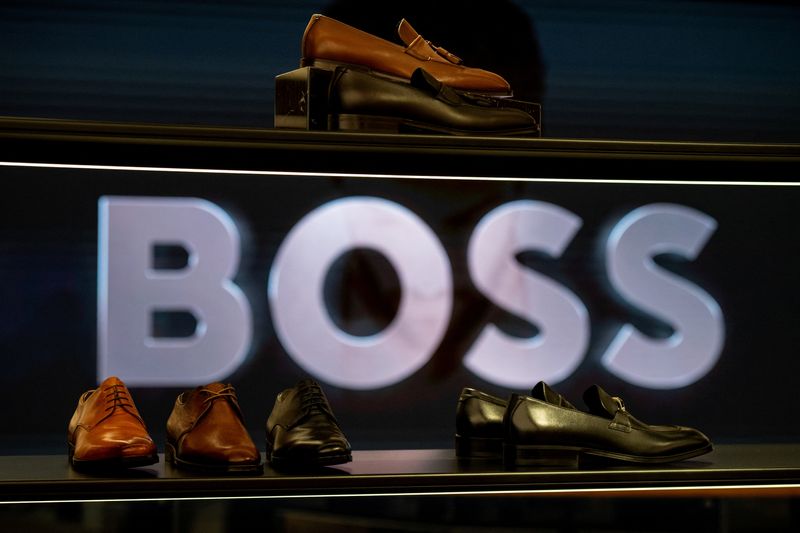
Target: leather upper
{"x": 542, "y": 391}
{"x": 422, "y": 49}
{"x": 482, "y": 415}
{"x": 106, "y": 425}
{"x": 608, "y": 427}
{"x": 479, "y": 414}
{"x": 302, "y": 424}
{"x": 206, "y": 426}
{"x": 328, "y": 39}
{"x": 425, "y": 100}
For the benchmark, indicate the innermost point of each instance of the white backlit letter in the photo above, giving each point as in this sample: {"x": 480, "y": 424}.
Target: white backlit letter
{"x": 689, "y": 353}
{"x": 561, "y": 317}
{"x": 132, "y": 290}
{"x": 299, "y": 314}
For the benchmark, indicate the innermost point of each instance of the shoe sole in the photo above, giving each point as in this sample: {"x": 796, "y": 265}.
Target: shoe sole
{"x": 380, "y": 124}
{"x": 572, "y": 456}
{"x": 307, "y": 461}
{"x": 113, "y": 463}
{"x": 479, "y": 448}
{"x": 171, "y": 457}
{"x": 327, "y": 64}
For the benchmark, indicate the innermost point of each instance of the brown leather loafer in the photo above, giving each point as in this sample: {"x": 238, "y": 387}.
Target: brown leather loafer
{"x": 328, "y": 43}
{"x": 106, "y": 430}
{"x": 206, "y": 432}
{"x": 302, "y": 431}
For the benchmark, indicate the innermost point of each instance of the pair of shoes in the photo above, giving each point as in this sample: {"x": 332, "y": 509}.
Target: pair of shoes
{"x": 379, "y": 86}
{"x": 546, "y": 429}
{"x": 205, "y": 431}
{"x": 302, "y": 431}
{"x": 328, "y": 43}
{"x": 360, "y": 101}
{"x": 480, "y": 421}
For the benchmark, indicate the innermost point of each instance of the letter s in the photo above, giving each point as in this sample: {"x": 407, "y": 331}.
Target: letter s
{"x": 694, "y": 348}
{"x": 563, "y": 320}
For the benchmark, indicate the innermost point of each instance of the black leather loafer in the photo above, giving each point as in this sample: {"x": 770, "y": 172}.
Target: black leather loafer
{"x": 364, "y": 102}
{"x": 542, "y": 432}
{"x": 479, "y": 421}
{"x": 302, "y": 431}
{"x": 479, "y": 425}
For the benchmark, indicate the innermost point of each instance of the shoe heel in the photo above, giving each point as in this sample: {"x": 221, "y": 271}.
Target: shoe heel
{"x": 169, "y": 454}
{"x": 268, "y": 453}
{"x": 479, "y": 448}
{"x": 348, "y": 122}
{"x": 522, "y": 455}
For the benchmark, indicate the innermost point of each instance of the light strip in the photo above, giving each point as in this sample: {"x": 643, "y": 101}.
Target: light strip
{"x": 404, "y": 176}
{"x": 587, "y": 491}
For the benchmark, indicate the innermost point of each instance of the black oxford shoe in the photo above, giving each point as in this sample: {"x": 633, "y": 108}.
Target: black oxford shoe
{"x": 302, "y": 431}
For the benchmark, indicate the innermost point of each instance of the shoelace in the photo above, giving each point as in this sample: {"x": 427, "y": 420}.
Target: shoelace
{"x": 228, "y": 391}
{"x": 313, "y": 401}
{"x": 117, "y": 396}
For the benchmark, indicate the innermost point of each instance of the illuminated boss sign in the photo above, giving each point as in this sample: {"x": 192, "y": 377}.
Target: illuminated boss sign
{"x": 131, "y": 290}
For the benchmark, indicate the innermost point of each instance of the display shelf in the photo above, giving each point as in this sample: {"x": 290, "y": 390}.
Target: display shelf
{"x": 730, "y": 469}
{"x": 50, "y": 141}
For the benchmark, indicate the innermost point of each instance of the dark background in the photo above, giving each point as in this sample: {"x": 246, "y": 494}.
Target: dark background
{"x": 667, "y": 69}
{"x": 48, "y": 267}
{"x": 661, "y": 69}
{"x": 605, "y": 69}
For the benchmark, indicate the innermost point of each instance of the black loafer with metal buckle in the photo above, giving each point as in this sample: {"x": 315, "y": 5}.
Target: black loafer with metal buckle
{"x": 538, "y": 432}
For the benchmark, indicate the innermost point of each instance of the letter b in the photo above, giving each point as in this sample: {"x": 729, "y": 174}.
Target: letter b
{"x": 132, "y": 290}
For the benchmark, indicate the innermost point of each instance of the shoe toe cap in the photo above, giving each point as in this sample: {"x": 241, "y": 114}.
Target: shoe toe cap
{"x": 109, "y": 449}
{"x": 477, "y": 80}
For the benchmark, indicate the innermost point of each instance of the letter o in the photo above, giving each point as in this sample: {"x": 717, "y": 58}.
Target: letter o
{"x": 302, "y": 322}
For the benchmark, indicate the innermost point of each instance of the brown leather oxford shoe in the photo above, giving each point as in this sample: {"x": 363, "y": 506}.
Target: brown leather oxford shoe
{"x": 206, "y": 432}
{"x": 329, "y": 43}
{"x": 106, "y": 430}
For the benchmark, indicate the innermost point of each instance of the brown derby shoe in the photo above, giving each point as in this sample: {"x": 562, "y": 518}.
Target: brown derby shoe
{"x": 206, "y": 432}
{"x": 106, "y": 430}
{"x": 328, "y": 42}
